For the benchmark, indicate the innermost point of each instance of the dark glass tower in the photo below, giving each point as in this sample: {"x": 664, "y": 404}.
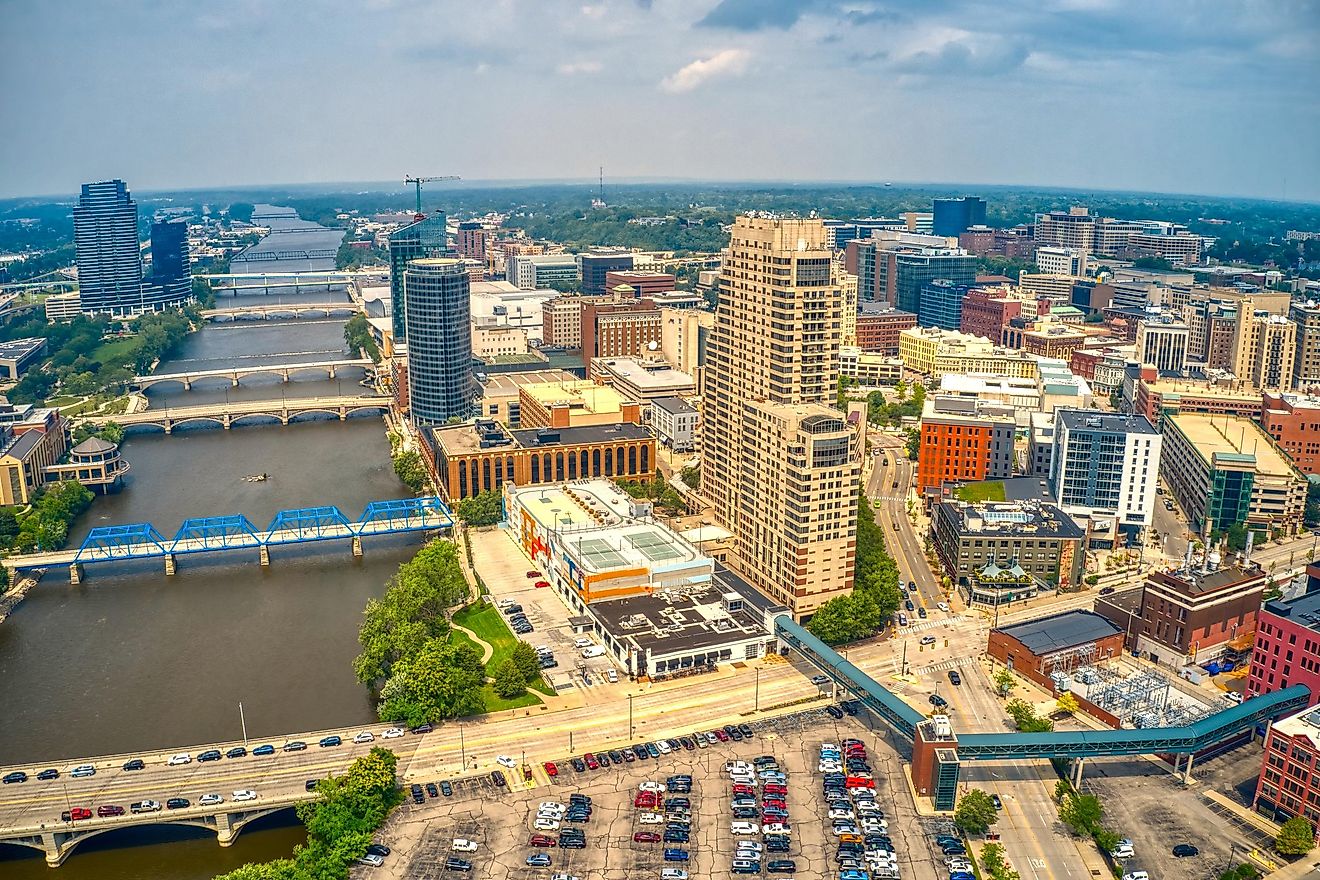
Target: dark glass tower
{"x": 440, "y": 383}
{"x": 171, "y": 267}
{"x": 954, "y": 216}
{"x": 416, "y": 241}
{"x": 105, "y": 232}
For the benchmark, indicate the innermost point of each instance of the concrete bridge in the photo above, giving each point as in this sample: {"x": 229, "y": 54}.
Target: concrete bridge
{"x": 233, "y": 374}
{"x": 252, "y": 282}
{"x": 266, "y": 312}
{"x": 228, "y": 414}
{"x": 236, "y": 532}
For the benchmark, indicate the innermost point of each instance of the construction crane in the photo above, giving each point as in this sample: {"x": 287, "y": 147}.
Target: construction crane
{"x": 418, "y": 181}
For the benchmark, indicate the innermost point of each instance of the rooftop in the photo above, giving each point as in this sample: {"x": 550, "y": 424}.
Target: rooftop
{"x": 1199, "y": 581}
{"x": 632, "y": 545}
{"x": 1026, "y": 519}
{"x": 646, "y": 375}
{"x": 509, "y": 383}
{"x": 1304, "y": 609}
{"x": 467, "y": 438}
{"x": 577, "y": 394}
{"x": 673, "y": 405}
{"x": 682, "y": 621}
{"x": 19, "y": 348}
{"x": 1212, "y": 435}
{"x": 1060, "y": 631}
{"x": 1096, "y": 420}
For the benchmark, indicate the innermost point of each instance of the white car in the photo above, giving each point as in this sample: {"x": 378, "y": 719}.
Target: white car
{"x": 545, "y": 823}
{"x": 958, "y": 865}
{"x": 927, "y": 640}
{"x": 582, "y": 643}
{"x": 208, "y": 800}
{"x": 365, "y": 736}
{"x": 564, "y": 877}
{"x": 391, "y": 733}
{"x": 661, "y": 746}
{"x": 462, "y": 845}
{"x": 506, "y": 761}
{"x": 651, "y": 819}
{"x": 842, "y": 813}
{"x": 943, "y": 606}
{"x": 673, "y": 874}
{"x": 181, "y": 758}
{"x": 776, "y": 828}
{"x": 245, "y": 794}
{"x": 611, "y": 676}
{"x": 738, "y": 766}
{"x": 743, "y": 828}
{"x": 1123, "y": 852}
{"x": 829, "y": 767}
{"x": 551, "y": 805}
{"x": 1137, "y": 875}
{"x": 593, "y": 651}
{"x": 649, "y": 785}
{"x": 751, "y": 845}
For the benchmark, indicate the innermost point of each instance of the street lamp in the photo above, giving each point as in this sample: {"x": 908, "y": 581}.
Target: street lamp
{"x": 630, "y": 717}
{"x": 462, "y": 746}
{"x": 242, "y": 719}
{"x": 756, "y": 700}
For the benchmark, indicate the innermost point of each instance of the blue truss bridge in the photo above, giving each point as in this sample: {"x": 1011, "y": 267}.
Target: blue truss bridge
{"x": 213, "y": 534}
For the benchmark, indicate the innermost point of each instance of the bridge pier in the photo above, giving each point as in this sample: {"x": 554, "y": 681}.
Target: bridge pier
{"x": 357, "y": 546}
{"x": 53, "y": 846}
{"x": 169, "y": 425}
{"x": 264, "y": 556}
{"x": 233, "y": 381}
{"x": 343, "y": 414}
{"x": 187, "y": 383}
{"x": 284, "y": 375}
{"x": 224, "y": 829}
{"x": 75, "y": 574}
{"x": 332, "y": 374}
{"x": 226, "y": 421}
{"x": 1076, "y": 775}
{"x": 169, "y": 564}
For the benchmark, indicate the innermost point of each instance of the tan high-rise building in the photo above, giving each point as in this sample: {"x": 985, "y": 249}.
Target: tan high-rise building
{"x": 779, "y": 465}
{"x": 1306, "y": 364}
{"x": 1266, "y": 350}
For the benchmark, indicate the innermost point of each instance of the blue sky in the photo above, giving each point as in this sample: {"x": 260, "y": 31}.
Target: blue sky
{"x": 1199, "y": 96}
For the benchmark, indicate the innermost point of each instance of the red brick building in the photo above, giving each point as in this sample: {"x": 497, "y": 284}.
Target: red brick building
{"x": 1289, "y": 783}
{"x": 878, "y": 327}
{"x": 984, "y": 313}
{"x": 1287, "y": 649}
{"x": 1058, "y": 643}
{"x": 645, "y": 283}
{"x": 1294, "y": 422}
{"x": 618, "y": 328}
{"x": 471, "y": 240}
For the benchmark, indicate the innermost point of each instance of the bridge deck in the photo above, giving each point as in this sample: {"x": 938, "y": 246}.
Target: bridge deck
{"x": 226, "y": 372}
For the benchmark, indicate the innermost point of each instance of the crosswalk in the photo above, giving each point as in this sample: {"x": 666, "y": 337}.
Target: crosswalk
{"x": 946, "y": 665}
{"x": 930, "y": 623}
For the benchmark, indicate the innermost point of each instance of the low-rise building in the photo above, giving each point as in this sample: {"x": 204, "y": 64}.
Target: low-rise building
{"x": 1225, "y": 470}
{"x": 645, "y": 283}
{"x": 465, "y": 460}
{"x": 574, "y": 404}
{"x": 933, "y": 352}
{"x": 1293, "y": 420}
{"x": 1035, "y": 535}
{"x": 28, "y": 447}
{"x": 1058, "y": 644}
{"x": 63, "y": 306}
{"x": 878, "y": 326}
{"x": 1220, "y": 393}
{"x": 674, "y": 421}
{"x": 489, "y": 342}
{"x": 643, "y": 380}
{"x": 500, "y": 399}
{"x": 1289, "y": 783}
{"x": 17, "y": 355}
{"x": 1286, "y": 650}
{"x": 683, "y": 334}
{"x": 869, "y": 368}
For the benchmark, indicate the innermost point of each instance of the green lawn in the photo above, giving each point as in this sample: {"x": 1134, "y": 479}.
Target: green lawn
{"x": 991, "y": 490}
{"x": 487, "y": 622}
{"x": 113, "y": 352}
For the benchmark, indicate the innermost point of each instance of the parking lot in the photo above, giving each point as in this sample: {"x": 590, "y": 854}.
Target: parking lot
{"x": 501, "y": 821}
{"x": 1144, "y": 802}
{"x": 504, "y": 569}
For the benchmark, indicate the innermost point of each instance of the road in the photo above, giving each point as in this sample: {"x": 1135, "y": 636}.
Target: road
{"x": 887, "y": 486}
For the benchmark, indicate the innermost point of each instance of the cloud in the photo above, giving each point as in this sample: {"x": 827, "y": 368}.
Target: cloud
{"x": 755, "y": 15}
{"x": 728, "y": 62}
{"x": 951, "y": 52}
{"x": 573, "y": 67}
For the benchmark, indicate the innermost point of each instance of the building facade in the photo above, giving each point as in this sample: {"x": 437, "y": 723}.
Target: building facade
{"x": 780, "y": 466}
{"x": 171, "y": 267}
{"x": 1106, "y": 465}
{"x": 1266, "y": 350}
{"x": 422, "y": 239}
{"x": 596, "y": 266}
{"x": 941, "y": 304}
{"x": 437, "y": 309}
{"x": 1035, "y": 535}
{"x": 675, "y": 421}
{"x": 683, "y": 337}
{"x": 964, "y": 439}
{"x": 1193, "y": 615}
{"x": 1306, "y": 362}
{"x": 877, "y": 327}
{"x": 1162, "y": 342}
{"x": 1287, "y": 646}
{"x": 618, "y": 327}
{"x": 105, "y": 234}
{"x": 1294, "y": 423}
{"x": 954, "y": 216}
{"x": 562, "y": 322}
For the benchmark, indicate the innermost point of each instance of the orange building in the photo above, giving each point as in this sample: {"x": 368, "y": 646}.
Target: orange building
{"x": 964, "y": 440}
{"x": 1293, "y": 420}
{"x": 465, "y": 460}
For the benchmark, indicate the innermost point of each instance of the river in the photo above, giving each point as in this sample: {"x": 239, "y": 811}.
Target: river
{"x": 132, "y": 660}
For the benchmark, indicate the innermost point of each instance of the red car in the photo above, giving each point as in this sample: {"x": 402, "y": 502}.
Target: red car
{"x": 858, "y": 782}
{"x": 75, "y": 814}
{"x": 646, "y": 800}
{"x": 774, "y": 802}
{"x": 746, "y": 789}
{"x": 551, "y": 770}
{"x": 542, "y": 840}
{"x": 541, "y": 584}
{"x": 533, "y": 574}
{"x": 776, "y": 788}
{"x": 591, "y": 761}
{"x": 646, "y": 837}
{"x": 107, "y": 810}
{"x": 721, "y": 736}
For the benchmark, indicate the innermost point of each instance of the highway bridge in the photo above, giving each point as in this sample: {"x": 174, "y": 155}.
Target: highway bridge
{"x": 290, "y": 310}
{"x": 233, "y": 374}
{"x": 228, "y": 414}
{"x": 252, "y": 282}
{"x": 212, "y": 534}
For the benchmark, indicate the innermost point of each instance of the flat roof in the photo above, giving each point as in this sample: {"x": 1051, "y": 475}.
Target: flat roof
{"x": 577, "y": 394}
{"x": 630, "y": 545}
{"x": 1098, "y": 420}
{"x": 674, "y": 405}
{"x": 1020, "y": 519}
{"x": 1212, "y": 435}
{"x": 669, "y": 622}
{"x": 511, "y": 382}
{"x": 465, "y": 438}
{"x": 1304, "y": 610}
{"x": 1060, "y": 631}
{"x": 584, "y": 434}
{"x": 19, "y": 348}
{"x": 647, "y": 376}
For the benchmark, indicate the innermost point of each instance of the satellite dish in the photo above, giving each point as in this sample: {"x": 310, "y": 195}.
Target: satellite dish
{"x": 652, "y": 345}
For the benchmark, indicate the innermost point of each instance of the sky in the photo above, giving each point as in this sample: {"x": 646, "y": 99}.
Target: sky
{"x": 1218, "y": 97}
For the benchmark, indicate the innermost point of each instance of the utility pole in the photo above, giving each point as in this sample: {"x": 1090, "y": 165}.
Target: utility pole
{"x": 462, "y": 746}
{"x": 242, "y": 719}
{"x": 757, "y": 699}
{"x": 418, "y": 181}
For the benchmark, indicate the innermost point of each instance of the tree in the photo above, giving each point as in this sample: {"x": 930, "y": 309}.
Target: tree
{"x": 994, "y": 864}
{"x": 410, "y": 470}
{"x": 1067, "y": 703}
{"x": 357, "y": 336}
{"x": 483, "y": 509}
{"x": 1004, "y": 682}
{"x": 441, "y": 681}
{"x": 524, "y": 656}
{"x": 1106, "y": 838}
{"x": 1296, "y": 837}
{"x": 1082, "y": 813}
{"x": 975, "y": 812}
{"x": 834, "y": 623}
{"x": 508, "y": 680}
{"x": 1026, "y": 719}
{"x": 1244, "y": 871}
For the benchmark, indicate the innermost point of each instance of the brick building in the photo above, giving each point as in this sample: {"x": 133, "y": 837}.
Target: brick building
{"x": 645, "y": 283}
{"x": 614, "y": 326}
{"x": 964, "y": 440}
{"x": 878, "y": 327}
{"x": 1194, "y": 616}
{"x": 1058, "y": 643}
{"x": 1289, "y": 783}
{"x": 987, "y": 312}
{"x": 1293, "y": 420}
{"x": 1287, "y": 649}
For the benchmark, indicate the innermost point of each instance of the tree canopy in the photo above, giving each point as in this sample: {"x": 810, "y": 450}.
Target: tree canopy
{"x": 875, "y": 595}
{"x": 1296, "y": 837}
{"x": 975, "y": 812}
{"x": 483, "y": 509}
{"x": 442, "y": 680}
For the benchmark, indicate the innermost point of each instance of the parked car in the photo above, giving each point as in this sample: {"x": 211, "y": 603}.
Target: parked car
{"x": 209, "y": 755}
{"x": 1185, "y": 850}
{"x": 75, "y": 814}
{"x": 147, "y": 806}
{"x": 107, "y": 810}
{"x": 177, "y": 803}
{"x": 263, "y": 750}
{"x": 135, "y": 764}
{"x": 16, "y": 776}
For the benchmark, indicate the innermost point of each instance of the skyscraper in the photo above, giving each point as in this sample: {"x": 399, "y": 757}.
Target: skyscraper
{"x": 171, "y": 266}
{"x": 955, "y": 216}
{"x": 596, "y": 266}
{"x": 440, "y": 384}
{"x": 779, "y": 466}
{"x": 105, "y": 233}
{"x": 419, "y": 240}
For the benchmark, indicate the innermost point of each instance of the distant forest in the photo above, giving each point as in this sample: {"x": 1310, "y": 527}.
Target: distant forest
{"x": 564, "y": 213}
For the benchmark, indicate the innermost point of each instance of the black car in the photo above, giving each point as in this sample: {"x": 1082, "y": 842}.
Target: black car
{"x": 446, "y": 789}
{"x": 329, "y": 741}
{"x": 498, "y": 778}
{"x": 415, "y": 788}
{"x": 603, "y": 758}
{"x": 1185, "y": 851}
{"x": 937, "y": 700}
{"x": 295, "y": 746}
{"x": 629, "y": 755}
{"x": 745, "y": 813}
{"x": 236, "y": 752}
{"x": 641, "y": 752}
{"x": 453, "y": 863}
{"x": 576, "y": 798}
{"x": 424, "y": 727}
{"x": 616, "y": 756}
{"x": 781, "y": 866}
{"x": 746, "y": 731}
{"x": 210, "y": 755}
{"x": 994, "y": 798}
{"x": 908, "y": 604}
{"x": 834, "y": 711}
{"x": 139, "y": 764}
{"x": 178, "y": 804}
{"x": 675, "y": 803}
{"x": 921, "y": 612}
{"x": 16, "y": 776}
{"x": 579, "y": 765}
{"x": 48, "y": 774}
{"x": 378, "y": 849}
{"x": 310, "y": 785}
{"x": 955, "y": 676}
{"x": 432, "y": 789}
